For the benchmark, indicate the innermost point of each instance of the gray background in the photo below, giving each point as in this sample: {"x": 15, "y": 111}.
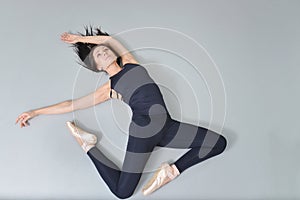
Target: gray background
{"x": 255, "y": 46}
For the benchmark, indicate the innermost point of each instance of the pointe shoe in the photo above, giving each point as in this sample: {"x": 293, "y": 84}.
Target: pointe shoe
{"x": 162, "y": 176}
{"x": 85, "y": 139}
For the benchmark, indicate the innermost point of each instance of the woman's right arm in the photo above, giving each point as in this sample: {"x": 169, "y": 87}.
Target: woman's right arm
{"x": 99, "y": 96}
{"x": 115, "y": 44}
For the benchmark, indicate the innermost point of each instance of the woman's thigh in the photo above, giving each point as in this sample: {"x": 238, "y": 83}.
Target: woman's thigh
{"x": 145, "y": 132}
{"x": 184, "y": 135}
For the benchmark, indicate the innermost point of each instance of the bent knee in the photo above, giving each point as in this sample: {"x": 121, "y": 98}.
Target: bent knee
{"x": 222, "y": 143}
{"x": 124, "y": 194}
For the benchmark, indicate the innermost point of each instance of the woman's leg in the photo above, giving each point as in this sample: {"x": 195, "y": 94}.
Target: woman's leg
{"x": 122, "y": 183}
{"x": 204, "y": 143}
{"x": 139, "y": 147}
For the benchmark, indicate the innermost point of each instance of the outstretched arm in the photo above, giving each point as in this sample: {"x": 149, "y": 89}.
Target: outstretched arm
{"x": 126, "y": 56}
{"x": 100, "y": 95}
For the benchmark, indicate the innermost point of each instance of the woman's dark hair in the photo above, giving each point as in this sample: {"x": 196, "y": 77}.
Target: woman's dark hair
{"x": 84, "y": 50}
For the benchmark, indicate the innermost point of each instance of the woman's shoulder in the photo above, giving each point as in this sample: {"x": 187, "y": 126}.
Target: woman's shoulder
{"x": 135, "y": 70}
{"x": 131, "y": 64}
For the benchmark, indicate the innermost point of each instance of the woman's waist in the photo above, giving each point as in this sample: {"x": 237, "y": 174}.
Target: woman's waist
{"x": 149, "y": 109}
{"x": 154, "y": 119}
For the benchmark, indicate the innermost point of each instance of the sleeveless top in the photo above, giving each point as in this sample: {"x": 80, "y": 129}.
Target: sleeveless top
{"x": 134, "y": 86}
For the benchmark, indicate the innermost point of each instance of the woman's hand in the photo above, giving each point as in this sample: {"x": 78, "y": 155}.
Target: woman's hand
{"x": 24, "y": 117}
{"x": 70, "y": 38}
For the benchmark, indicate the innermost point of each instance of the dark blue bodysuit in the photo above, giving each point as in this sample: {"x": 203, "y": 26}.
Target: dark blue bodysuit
{"x": 151, "y": 126}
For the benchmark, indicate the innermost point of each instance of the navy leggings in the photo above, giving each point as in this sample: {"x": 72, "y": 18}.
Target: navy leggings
{"x": 146, "y": 132}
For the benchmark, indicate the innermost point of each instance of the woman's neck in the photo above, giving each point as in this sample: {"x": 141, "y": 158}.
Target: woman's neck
{"x": 113, "y": 68}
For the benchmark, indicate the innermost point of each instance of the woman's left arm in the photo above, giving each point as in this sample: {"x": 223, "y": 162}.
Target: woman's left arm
{"x": 101, "y": 39}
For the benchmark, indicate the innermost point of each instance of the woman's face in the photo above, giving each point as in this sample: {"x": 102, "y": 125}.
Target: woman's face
{"x": 103, "y": 57}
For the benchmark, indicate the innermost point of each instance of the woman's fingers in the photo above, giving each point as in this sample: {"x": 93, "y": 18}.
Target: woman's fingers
{"x": 64, "y": 36}
{"x": 69, "y": 38}
{"x": 23, "y": 123}
{"x": 23, "y": 119}
{"x": 20, "y": 117}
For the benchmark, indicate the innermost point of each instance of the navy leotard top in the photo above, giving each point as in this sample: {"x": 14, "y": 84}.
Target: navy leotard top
{"x": 138, "y": 90}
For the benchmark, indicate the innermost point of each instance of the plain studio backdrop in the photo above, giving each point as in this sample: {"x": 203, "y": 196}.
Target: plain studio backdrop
{"x": 231, "y": 65}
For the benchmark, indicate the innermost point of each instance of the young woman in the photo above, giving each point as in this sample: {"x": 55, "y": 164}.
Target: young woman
{"x": 151, "y": 124}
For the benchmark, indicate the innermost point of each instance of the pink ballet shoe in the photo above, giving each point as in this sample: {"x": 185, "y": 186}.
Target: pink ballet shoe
{"x": 162, "y": 176}
{"x": 85, "y": 139}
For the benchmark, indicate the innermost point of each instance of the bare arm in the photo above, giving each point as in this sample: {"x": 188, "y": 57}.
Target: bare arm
{"x": 94, "y": 98}
{"x": 99, "y": 96}
{"x": 126, "y": 56}
{"x": 58, "y": 108}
